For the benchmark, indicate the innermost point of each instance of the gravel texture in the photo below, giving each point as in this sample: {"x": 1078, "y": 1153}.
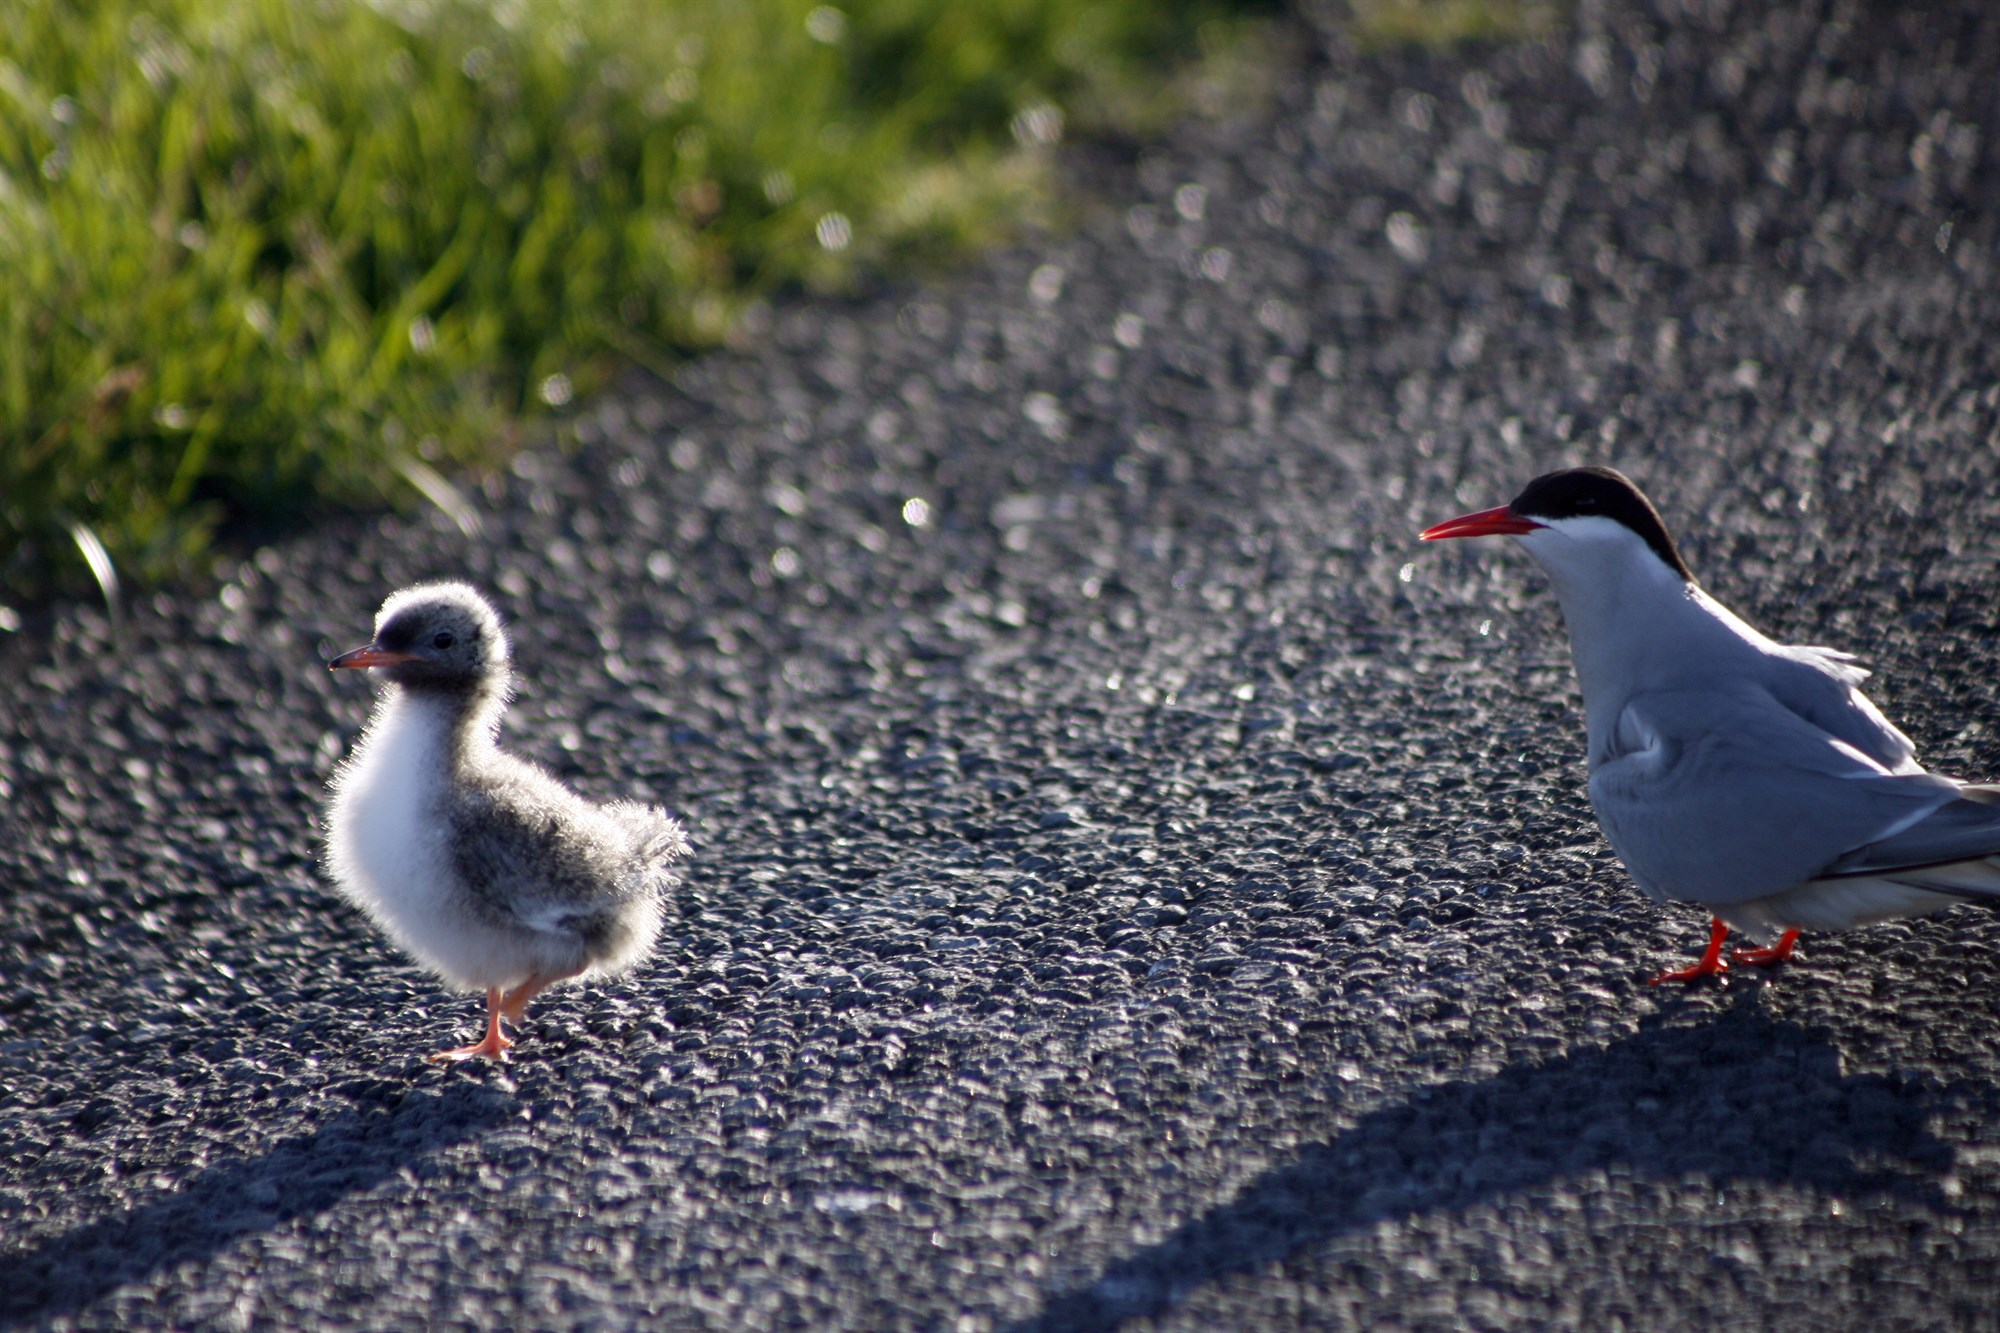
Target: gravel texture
{"x": 1150, "y": 889}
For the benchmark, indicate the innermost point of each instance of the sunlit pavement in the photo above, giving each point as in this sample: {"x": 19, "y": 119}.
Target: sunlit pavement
{"x": 1135, "y": 882}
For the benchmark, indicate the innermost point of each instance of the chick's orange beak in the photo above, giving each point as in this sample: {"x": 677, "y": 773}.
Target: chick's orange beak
{"x": 369, "y": 656}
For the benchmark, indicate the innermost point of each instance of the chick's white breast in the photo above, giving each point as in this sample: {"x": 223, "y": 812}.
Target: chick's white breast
{"x": 384, "y": 840}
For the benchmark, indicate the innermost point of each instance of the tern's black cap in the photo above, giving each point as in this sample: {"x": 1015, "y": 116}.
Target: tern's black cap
{"x": 1600, "y": 492}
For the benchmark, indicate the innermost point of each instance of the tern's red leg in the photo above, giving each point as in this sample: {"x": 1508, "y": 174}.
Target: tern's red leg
{"x": 494, "y": 1045}
{"x": 1711, "y": 963}
{"x": 1781, "y": 952}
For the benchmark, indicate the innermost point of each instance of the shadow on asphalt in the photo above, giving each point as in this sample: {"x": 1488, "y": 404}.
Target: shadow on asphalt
{"x": 1742, "y": 1099}
{"x": 299, "y": 1177}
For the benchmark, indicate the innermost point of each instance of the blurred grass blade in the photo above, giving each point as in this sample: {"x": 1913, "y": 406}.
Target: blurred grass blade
{"x": 101, "y": 569}
{"x": 430, "y": 483}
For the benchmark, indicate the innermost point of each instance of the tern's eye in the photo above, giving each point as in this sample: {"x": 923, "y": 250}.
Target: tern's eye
{"x": 442, "y": 639}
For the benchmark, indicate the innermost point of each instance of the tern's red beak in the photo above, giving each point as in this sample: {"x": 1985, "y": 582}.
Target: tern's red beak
{"x": 1501, "y": 522}
{"x": 370, "y": 656}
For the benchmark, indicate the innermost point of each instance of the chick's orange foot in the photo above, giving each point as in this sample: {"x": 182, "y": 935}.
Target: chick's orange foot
{"x": 495, "y": 1043}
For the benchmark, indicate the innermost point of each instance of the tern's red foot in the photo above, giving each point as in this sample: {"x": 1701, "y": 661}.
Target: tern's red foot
{"x": 1781, "y": 952}
{"x": 493, "y": 1046}
{"x": 1711, "y": 963}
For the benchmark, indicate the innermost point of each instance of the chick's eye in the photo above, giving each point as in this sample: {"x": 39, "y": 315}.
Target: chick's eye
{"x": 442, "y": 639}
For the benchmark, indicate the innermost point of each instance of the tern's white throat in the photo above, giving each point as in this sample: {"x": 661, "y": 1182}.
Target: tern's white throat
{"x": 1634, "y": 620}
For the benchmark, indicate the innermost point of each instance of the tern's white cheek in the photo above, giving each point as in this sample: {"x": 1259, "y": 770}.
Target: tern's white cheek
{"x": 1596, "y": 563}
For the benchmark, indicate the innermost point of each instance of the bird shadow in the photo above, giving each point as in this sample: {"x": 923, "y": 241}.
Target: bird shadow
{"x": 300, "y": 1176}
{"x": 1744, "y": 1098}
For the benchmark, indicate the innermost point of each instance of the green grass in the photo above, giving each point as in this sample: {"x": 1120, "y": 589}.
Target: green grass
{"x": 261, "y": 257}
{"x": 1446, "y": 23}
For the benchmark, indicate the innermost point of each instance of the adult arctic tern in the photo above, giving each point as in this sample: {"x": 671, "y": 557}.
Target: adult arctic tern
{"x": 1748, "y": 776}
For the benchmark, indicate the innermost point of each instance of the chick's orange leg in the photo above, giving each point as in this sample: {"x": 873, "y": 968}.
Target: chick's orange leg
{"x": 494, "y": 1045}
{"x": 515, "y": 1004}
{"x": 1781, "y": 952}
{"x": 1711, "y": 963}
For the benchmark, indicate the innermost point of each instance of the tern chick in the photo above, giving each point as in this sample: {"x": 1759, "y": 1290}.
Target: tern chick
{"x": 1750, "y": 777}
{"x": 479, "y": 865}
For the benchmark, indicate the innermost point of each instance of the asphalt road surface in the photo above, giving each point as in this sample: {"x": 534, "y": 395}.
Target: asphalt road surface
{"x": 1136, "y": 884}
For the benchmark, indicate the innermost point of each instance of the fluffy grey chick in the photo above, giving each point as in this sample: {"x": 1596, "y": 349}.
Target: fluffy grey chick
{"x": 481, "y": 866}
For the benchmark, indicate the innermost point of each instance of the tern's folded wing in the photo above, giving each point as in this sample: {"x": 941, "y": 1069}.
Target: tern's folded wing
{"x": 1960, "y": 830}
{"x": 1823, "y": 687}
{"x": 1723, "y": 795}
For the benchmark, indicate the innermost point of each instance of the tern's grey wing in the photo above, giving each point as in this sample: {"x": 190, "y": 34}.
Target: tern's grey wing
{"x": 1723, "y": 795}
{"x": 1959, "y": 830}
{"x": 1823, "y": 687}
